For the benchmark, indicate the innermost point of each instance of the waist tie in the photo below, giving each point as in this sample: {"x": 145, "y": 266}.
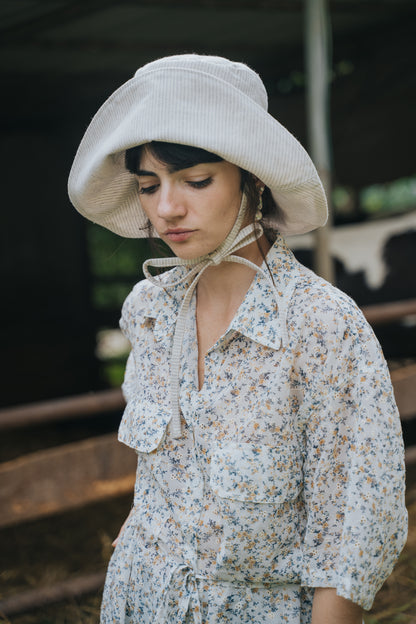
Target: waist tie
{"x": 180, "y": 597}
{"x": 236, "y": 239}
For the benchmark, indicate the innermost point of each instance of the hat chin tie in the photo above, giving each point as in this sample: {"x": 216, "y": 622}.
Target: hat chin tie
{"x": 235, "y": 240}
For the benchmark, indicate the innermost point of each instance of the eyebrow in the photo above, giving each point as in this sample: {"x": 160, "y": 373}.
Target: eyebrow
{"x": 143, "y": 172}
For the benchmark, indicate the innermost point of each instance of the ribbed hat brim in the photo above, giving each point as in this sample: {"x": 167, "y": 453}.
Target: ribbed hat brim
{"x": 191, "y": 107}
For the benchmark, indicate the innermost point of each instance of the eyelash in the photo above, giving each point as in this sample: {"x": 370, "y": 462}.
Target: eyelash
{"x": 200, "y": 183}
{"x": 149, "y": 190}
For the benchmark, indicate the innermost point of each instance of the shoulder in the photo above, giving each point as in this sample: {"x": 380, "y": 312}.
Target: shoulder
{"x": 141, "y": 298}
{"x": 148, "y": 300}
{"x": 331, "y": 340}
{"x": 146, "y": 296}
{"x": 319, "y": 300}
{"x": 326, "y": 314}
{"x": 312, "y": 301}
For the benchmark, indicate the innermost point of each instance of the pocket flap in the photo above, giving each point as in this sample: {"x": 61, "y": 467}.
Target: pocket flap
{"x": 256, "y": 473}
{"x": 143, "y": 424}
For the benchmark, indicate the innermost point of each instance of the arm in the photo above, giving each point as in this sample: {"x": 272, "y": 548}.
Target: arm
{"x": 353, "y": 468}
{"x": 328, "y": 608}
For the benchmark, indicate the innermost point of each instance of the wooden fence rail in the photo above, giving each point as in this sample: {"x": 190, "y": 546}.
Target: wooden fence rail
{"x": 54, "y": 480}
{"x": 44, "y": 596}
{"x": 61, "y": 409}
{"x": 72, "y": 475}
{"x": 383, "y": 313}
{"x": 404, "y": 384}
{"x": 111, "y": 400}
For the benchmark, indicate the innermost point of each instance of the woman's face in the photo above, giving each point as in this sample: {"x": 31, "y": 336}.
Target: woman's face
{"x": 192, "y": 209}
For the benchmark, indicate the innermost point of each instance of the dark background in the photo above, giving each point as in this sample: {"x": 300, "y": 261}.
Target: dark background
{"x": 60, "y": 60}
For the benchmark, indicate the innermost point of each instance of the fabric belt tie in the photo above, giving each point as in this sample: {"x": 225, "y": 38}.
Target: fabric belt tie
{"x": 180, "y": 597}
{"x": 236, "y": 239}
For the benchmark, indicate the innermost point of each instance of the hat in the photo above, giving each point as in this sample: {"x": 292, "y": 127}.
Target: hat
{"x": 203, "y": 101}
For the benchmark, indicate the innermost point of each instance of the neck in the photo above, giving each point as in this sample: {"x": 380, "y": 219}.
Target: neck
{"x": 229, "y": 279}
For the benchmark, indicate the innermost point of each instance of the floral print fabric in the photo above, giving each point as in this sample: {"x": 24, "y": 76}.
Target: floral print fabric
{"x": 288, "y": 475}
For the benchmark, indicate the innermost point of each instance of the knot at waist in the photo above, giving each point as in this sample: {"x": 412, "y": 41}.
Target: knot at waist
{"x": 180, "y": 598}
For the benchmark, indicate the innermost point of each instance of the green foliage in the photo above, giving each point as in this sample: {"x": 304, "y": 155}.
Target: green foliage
{"x": 343, "y": 201}
{"x": 377, "y": 200}
{"x": 116, "y": 264}
{"x": 110, "y": 295}
{"x": 113, "y": 373}
{"x": 114, "y": 256}
{"x": 395, "y": 197}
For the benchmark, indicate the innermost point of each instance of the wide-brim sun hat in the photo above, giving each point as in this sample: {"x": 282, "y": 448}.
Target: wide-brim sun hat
{"x": 203, "y": 101}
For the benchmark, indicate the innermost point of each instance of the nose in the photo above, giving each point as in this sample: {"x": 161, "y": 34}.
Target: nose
{"x": 170, "y": 205}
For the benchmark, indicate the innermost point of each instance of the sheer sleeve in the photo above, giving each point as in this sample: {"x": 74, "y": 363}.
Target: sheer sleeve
{"x": 130, "y": 377}
{"x": 129, "y": 385}
{"x": 353, "y": 468}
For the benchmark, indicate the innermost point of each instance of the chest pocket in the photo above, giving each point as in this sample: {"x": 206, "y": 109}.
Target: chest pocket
{"x": 256, "y": 473}
{"x": 256, "y": 489}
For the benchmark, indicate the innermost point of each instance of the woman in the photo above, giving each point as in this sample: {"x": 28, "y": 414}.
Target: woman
{"x": 270, "y": 462}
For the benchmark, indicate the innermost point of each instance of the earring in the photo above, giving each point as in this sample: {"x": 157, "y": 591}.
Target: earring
{"x": 259, "y": 213}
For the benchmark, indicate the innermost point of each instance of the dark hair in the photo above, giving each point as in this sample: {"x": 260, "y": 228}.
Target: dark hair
{"x": 174, "y": 155}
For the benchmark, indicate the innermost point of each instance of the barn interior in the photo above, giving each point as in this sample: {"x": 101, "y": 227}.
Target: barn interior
{"x": 66, "y": 481}
{"x": 61, "y": 59}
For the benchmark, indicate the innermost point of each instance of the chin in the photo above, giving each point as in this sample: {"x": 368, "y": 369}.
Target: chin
{"x": 183, "y": 255}
{"x": 190, "y": 253}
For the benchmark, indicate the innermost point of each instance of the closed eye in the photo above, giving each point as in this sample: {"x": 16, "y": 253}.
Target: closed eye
{"x": 148, "y": 190}
{"x": 198, "y": 184}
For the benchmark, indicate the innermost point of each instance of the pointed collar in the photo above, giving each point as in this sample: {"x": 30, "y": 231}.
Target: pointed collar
{"x": 262, "y": 316}
{"x": 257, "y": 317}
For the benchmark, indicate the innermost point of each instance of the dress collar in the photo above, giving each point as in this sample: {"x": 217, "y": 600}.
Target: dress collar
{"x": 262, "y": 316}
{"x": 256, "y": 317}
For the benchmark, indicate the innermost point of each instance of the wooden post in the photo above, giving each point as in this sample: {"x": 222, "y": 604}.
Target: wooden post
{"x": 316, "y": 48}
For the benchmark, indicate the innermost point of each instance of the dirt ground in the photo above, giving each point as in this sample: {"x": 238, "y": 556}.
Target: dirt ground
{"x": 40, "y": 553}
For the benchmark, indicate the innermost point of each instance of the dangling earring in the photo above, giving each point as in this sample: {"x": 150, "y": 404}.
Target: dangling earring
{"x": 259, "y": 213}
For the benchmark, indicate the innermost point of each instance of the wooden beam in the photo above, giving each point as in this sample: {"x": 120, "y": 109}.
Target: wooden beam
{"x": 54, "y": 480}
{"x": 61, "y": 409}
{"x": 72, "y": 475}
{"x": 61, "y": 478}
{"x": 381, "y": 313}
{"x": 404, "y": 384}
{"x": 45, "y": 596}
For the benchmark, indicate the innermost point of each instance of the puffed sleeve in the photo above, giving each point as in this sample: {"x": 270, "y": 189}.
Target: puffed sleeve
{"x": 353, "y": 466}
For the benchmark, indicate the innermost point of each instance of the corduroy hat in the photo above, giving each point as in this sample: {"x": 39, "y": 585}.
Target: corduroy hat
{"x": 203, "y": 101}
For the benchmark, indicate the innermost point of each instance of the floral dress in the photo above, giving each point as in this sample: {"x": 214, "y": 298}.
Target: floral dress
{"x": 289, "y": 473}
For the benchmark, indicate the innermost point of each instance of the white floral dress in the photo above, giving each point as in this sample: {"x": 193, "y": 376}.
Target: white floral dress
{"x": 289, "y": 472}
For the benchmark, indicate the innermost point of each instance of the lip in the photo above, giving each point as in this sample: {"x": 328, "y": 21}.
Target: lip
{"x": 178, "y": 235}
